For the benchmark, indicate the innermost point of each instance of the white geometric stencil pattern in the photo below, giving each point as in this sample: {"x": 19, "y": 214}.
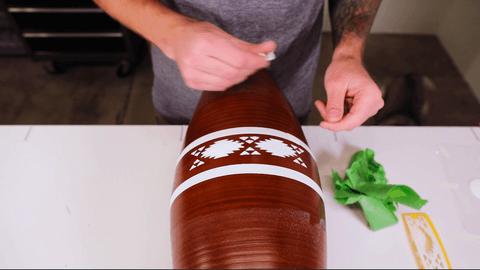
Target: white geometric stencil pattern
{"x": 197, "y": 152}
{"x": 226, "y": 147}
{"x": 196, "y": 163}
{"x": 300, "y": 161}
{"x": 250, "y": 151}
{"x": 297, "y": 149}
{"x": 261, "y": 132}
{"x": 222, "y": 148}
{"x": 276, "y": 148}
{"x": 250, "y": 139}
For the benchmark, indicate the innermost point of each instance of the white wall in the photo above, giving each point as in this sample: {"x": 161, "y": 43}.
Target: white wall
{"x": 460, "y": 34}
{"x": 455, "y": 22}
{"x": 410, "y": 16}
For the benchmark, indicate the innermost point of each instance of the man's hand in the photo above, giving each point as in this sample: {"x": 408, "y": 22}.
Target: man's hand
{"x": 346, "y": 80}
{"x": 210, "y": 59}
{"x": 347, "y": 83}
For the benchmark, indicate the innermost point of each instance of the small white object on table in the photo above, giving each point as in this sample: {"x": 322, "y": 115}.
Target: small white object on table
{"x": 98, "y": 196}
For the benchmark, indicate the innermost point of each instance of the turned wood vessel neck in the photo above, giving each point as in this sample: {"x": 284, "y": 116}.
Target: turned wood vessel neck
{"x": 257, "y": 102}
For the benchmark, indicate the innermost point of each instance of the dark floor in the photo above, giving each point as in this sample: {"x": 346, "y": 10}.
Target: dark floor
{"x": 95, "y": 95}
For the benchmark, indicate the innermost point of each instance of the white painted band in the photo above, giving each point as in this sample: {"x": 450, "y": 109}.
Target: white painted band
{"x": 242, "y": 131}
{"x": 245, "y": 169}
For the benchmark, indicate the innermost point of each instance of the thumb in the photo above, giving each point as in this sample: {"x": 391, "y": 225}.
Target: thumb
{"x": 335, "y": 103}
{"x": 264, "y": 47}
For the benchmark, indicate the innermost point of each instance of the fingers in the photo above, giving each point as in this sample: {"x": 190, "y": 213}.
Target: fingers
{"x": 211, "y": 59}
{"x": 349, "y": 85}
{"x": 338, "y": 125}
{"x": 349, "y": 122}
{"x": 264, "y": 47}
{"x": 200, "y": 80}
{"x": 333, "y": 109}
{"x": 215, "y": 67}
{"x": 202, "y": 86}
{"x": 219, "y": 69}
{"x": 213, "y": 72}
{"x": 322, "y": 108}
{"x": 362, "y": 109}
{"x": 240, "y": 57}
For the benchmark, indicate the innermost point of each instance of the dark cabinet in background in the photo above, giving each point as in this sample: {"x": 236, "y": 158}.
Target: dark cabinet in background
{"x": 10, "y": 41}
{"x": 73, "y": 31}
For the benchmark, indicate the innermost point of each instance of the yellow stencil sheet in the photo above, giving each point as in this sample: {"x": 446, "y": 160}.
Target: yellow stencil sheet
{"x": 425, "y": 242}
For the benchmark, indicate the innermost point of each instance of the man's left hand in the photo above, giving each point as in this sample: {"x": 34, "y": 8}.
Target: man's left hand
{"x": 352, "y": 95}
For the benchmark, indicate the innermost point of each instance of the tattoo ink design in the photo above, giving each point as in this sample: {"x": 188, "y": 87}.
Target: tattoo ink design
{"x": 352, "y": 16}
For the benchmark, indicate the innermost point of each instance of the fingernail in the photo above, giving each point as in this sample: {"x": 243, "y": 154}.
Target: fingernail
{"x": 334, "y": 116}
{"x": 269, "y": 57}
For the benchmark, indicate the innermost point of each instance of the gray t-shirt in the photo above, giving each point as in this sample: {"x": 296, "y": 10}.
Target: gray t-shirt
{"x": 295, "y": 25}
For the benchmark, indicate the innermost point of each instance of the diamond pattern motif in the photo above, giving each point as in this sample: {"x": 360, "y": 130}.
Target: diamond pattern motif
{"x": 250, "y": 151}
{"x": 224, "y": 148}
{"x": 196, "y": 163}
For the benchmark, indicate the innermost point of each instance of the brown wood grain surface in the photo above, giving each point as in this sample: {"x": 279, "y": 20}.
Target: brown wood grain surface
{"x": 247, "y": 220}
{"x": 256, "y": 102}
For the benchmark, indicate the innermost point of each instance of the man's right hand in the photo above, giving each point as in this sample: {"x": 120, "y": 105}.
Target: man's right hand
{"x": 210, "y": 59}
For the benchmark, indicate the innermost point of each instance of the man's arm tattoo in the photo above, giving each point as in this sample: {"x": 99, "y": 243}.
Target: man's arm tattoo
{"x": 355, "y": 16}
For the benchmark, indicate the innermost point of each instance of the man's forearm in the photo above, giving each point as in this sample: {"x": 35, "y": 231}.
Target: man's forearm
{"x": 351, "y": 22}
{"x": 149, "y": 18}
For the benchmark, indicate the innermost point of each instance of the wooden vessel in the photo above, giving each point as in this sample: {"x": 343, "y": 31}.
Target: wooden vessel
{"x": 246, "y": 191}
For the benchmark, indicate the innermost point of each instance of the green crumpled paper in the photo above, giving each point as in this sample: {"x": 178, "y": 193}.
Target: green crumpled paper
{"x": 365, "y": 183}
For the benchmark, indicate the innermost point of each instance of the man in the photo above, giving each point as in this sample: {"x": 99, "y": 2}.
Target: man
{"x": 214, "y": 44}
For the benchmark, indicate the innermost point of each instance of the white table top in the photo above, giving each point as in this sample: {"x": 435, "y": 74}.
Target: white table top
{"x": 98, "y": 196}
